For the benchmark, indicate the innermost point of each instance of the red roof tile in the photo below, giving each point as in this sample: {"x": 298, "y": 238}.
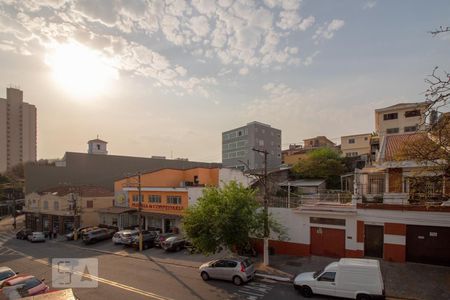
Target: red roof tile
{"x": 394, "y": 143}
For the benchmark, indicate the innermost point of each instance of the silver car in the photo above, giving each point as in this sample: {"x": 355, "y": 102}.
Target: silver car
{"x": 124, "y": 237}
{"x": 237, "y": 270}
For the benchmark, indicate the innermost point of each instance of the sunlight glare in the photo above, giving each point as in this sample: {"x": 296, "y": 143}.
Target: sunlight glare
{"x": 81, "y": 71}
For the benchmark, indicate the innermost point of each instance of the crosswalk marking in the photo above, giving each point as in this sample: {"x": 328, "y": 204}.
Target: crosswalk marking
{"x": 254, "y": 290}
{"x": 6, "y": 236}
{"x": 8, "y": 251}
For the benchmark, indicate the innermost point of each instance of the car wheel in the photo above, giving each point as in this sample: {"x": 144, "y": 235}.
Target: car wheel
{"x": 205, "y": 276}
{"x": 237, "y": 280}
{"x": 306, "y": 291}
{"x": 362, "y": 297}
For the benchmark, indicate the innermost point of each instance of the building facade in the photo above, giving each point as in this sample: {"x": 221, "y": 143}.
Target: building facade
{"x": 17, "y": 130}
{"x": 61, "y": 209}
{"x": 237, "y": 145}
{"x": 355, "y": 145}
{"x": 400, "y": 118}
{"x": 317, "y": 142}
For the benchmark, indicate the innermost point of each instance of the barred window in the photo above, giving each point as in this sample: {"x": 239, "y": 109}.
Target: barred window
{"x": 154, "y": 199}
{"x": 173, "y": 199}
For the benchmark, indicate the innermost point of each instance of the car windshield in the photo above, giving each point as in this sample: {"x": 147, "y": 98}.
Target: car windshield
{"x": 6, "y": 274}
{"x": 170, "y": 239}
{"x": 317, "y": 273}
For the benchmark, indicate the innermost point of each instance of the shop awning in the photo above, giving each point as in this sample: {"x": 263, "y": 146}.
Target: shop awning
{"x": 117, "y": 210}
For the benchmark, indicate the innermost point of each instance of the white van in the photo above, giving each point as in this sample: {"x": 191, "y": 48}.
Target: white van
{"x": 349, "y": 277}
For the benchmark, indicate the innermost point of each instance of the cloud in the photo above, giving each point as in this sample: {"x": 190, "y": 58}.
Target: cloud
{"x": 326, "y": 31}
{"x": 369, "y": 4}
{"x": 199, "y": 25}
{"x": 243, "y": 71}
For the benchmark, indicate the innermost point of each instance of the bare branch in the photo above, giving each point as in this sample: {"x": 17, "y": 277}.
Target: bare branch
{"x": 441, "y": 29}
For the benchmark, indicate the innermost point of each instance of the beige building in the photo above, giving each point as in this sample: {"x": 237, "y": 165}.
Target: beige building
{"x": 17, "y": 130}
{"x": 317, "y": 142}
{"x": 355, "y": 145}
{"x": 400, "y": 118}
{"x": 60, "y": 209}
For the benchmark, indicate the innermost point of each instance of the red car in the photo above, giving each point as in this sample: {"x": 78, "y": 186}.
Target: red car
{"x": 24, "y": 285}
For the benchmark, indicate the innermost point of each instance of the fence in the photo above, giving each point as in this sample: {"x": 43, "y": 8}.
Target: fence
{"x": 296, "y": 201}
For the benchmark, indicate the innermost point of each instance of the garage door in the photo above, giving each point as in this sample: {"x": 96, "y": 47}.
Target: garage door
{"x": 428, "y": 244}
{"x": 327, "y": 242}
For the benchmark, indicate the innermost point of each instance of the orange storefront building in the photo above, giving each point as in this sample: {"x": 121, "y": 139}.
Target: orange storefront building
{"x": 165, "y": 194}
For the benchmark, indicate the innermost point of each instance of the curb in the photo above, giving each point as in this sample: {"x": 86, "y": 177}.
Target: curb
{"x": 131, "y": 256}
{"x": 273, "y": 277}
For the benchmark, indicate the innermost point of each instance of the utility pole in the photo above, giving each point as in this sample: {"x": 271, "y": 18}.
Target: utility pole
{"x": 265, "y": 209}
{"x": 139, "y": 211}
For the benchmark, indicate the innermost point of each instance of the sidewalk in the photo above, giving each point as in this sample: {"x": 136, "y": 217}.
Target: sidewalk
{"x": 402, "y": 281}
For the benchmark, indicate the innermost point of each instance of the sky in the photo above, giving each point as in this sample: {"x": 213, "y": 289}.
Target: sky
{"x": 167, "y": 77}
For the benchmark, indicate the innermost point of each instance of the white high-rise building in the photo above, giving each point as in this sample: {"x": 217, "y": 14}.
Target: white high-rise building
{"x": 17, "y": 130}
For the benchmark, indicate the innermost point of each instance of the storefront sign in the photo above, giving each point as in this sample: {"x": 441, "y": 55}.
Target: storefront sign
{"x": 158, "y": 206}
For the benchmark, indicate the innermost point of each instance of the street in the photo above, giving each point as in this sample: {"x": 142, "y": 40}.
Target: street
{"x": 133, "y": 278}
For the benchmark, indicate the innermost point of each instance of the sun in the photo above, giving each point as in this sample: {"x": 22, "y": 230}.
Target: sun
{"x": 81, "y": 71}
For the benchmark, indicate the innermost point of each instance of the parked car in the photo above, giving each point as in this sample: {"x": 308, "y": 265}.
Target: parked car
{"x": 148, "y": 239}
{"x": 238, "y": 270}
{"x": 23, "y": 234}
{"x": 96, "y": 235}
{"x": 24, "y": 285}
{"x": 349, "y": 277}
{"x": 173, "y": 243}
{"x": 5, "y": 274}
{"x": 36, "y": 236}
{"x": 71, "y": 235}
{"x": 66, "y": 294}
{"x": 161, "y": 238}
{"x": 123, "y": 237}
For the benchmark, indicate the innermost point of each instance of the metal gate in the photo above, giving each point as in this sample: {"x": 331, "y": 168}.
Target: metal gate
{"x": 428, "y": 244}
{"x": 327, "y": 242}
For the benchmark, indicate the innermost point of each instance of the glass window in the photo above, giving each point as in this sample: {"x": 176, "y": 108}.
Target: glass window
{"x": 136, "y": 198}
{"x": 154, "y": 199}
{"x": 231, "y": 264}
{"x": 412, "y": 113}
{"x": 410, "y": 128}
{"x": 173, "y": 199}
{"x": 220, "y": 264}
{"x": 392, "y": 130}
{"x": 56, "y": 205}
{"x": 6, "y": 274}
{"x": 351, "y": 141}
{"x": 328, "y": 276}
{"x": 45, "y": 204}
{"x": 391, "y": 116}
{"x": 89, "y": 203}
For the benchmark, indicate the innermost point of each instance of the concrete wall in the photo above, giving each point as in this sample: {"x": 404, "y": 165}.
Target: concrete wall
{"x": 96, "y": 170}
{"x": 14, "y": 99}
{"x": 401, "y": 122}
{"x": 29, "y": 133}
{"x": 226, "y": 175}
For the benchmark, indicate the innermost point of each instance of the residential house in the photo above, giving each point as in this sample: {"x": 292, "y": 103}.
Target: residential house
{"x": 356, "y": 145}
{"x": 297, "y": 152}
{"x": 63, "y": 208}
{"x": 400, "y": 118}
{"x": 318, "y": 142}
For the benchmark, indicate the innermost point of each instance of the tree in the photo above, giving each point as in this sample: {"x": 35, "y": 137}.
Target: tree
{"x": 226, "y": 217}
{"x": 323, "y": 163}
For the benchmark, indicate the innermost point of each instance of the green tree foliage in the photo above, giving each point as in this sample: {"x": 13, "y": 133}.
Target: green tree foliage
{"x": 226, "y": 218}
{"x": 323, "y": 163}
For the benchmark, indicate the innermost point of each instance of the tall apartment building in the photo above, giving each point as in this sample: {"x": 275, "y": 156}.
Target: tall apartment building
{"x": 17, "y": 130}
{"x": 400, "y": 118}
{"x": 237, "y": 145}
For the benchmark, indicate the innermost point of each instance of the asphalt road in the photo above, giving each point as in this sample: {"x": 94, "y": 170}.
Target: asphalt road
{"x": 130, "y": 278}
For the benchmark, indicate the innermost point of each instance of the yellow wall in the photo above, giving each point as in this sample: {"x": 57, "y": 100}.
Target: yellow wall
{"x": 293, "y": 158}
{"x": 163, "y": 207}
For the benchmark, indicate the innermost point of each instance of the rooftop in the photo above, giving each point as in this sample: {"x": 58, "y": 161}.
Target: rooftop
{"x": 395, "y": 143}
{"x": 403, "y": 106}
{"x": 83, "y": 191}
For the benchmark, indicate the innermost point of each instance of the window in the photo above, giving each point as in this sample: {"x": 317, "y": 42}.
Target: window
{"x": 412, "y": 113}
{"x": 366, "y": 138}
{"x": 225, "y": 156}
{"x": 328, "y": 276}
{"x": 261, "y": 143}
{"x": 136, "y": 198}
{"x": 392, "y": 130}
{"x": 410, "y": 128}
{"x": 239, "y": 133}
{"x": 56, "y": 205}
{"x": 220, "y": 264}
{"x": 246, "y": 131}
{"x": 90, "y": 204}
{"x": 98, "y": 146}
{"x": 391, "y": 116}
{"x": 327, "y": 221}
{"x": 231, "y": 264}
{"x": 351, "y": 141}
{"x": 45, "y": 204}
{"x": 173, "y": 199}
{"x": 154, "y": 199}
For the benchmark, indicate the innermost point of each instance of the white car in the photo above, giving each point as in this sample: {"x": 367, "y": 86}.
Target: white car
{"x": 36, "y": 237}
{"x": 353, "y": 278}
{"x": 5, "y": 274}
{"x": 124, "y": 237}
